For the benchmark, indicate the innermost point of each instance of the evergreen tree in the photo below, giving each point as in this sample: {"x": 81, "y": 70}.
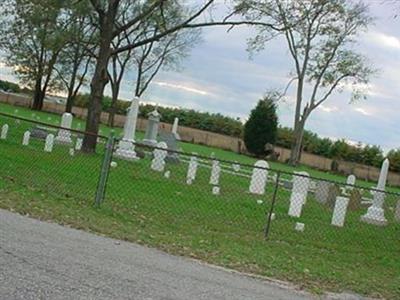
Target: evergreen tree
{"x": 261, "y": 128}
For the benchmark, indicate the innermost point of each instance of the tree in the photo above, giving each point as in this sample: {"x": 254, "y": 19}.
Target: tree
{"x": 32, "y": 38}
{"x": 75, "y": 57}
{"x": 162, "y": 24}
{"x": 319, "y": 35}
{"x": 261, "y": 127}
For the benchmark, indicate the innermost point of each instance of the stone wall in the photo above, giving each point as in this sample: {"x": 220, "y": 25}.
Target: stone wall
{"x": 234, "y": 144}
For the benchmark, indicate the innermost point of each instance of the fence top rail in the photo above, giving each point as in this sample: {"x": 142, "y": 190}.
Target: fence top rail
{"x": 51, "y": 125}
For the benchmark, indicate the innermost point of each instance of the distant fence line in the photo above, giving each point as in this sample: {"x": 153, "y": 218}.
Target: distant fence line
{"x": 212, "y": 139}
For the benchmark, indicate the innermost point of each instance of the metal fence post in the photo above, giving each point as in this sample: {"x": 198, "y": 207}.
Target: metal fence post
{"x": 105, "y": 169}
{"x": 268, "y": 225}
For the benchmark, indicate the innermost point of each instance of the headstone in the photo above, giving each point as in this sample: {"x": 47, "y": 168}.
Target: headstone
{"x": 78, "y": 144}
{"x": 339, "y": 212}
{"x": 158, "y": 162}
{"x": 174, "y": 130}
{"x": 150, "y": 137}
{"x": 322, "y": 191}
{"x": 236, "y": 167}
{"x": 27, "y": 136}
{"x": 299, "y": 226}
{"x": 126, "y": 146}
{"x": 71, "y": 151}
{"x": 48, "y": 147}
{"x": 167, "y": 174}
{"x": 64, "y": 135}
{"x": 172, "y": 145}
{"x": 397, "y": 212}
{"x": 355, "y": 198}
{"x": 375, "y": 214}
{"x": 298, "y": 197}
{"x": 4, "y": 131}
{"x": 334, "y": 191}
{"x": 350, "y": 182}
{"x": 259, "y": 177}
{"x": 215, "y": 190}
{"x": 192, "y": 169}
{"x": 39, "y": 133}
{"x": 215, "y": 173}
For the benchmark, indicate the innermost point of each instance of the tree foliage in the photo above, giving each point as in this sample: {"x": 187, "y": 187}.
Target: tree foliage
{"x": 319, "y": 36}
{"x": 261, "y": 127}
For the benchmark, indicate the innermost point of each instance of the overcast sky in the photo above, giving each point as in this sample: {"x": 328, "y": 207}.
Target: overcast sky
{"x": 220, "y": 77}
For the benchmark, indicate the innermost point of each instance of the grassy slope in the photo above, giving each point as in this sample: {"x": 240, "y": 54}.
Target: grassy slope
{"x": 143, "y": 206}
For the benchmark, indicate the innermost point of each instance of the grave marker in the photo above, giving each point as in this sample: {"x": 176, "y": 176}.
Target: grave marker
{"x": 158, "y": 162}
{"x": 259, "y": 178}
{"x": 4, "y": 131}
{"x": 48, "y": 147}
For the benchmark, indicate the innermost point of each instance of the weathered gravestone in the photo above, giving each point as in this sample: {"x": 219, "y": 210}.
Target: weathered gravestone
{"x": 4, "y": 131}
{"x": 64, "y": 135}
{"x": 25, "y": 140}
{"x": 150, "y": 137}
{"x": 259, "y": 177}
{"x": 192, "y": 169}
{"x": 48, "y": 147}
{"x": 301, "y": 183}
{"x": 39, "y": 133}
{"x": 322, "y": 191}
{"x": 355, "y": 198}
{"x": 339, "y": 212}
{"x": 158, "y": 162}
{"x": 78, "y": 144}
{"x": 215, "y": 173}
{"x": 172, "y": 144}
{"x": 334, "y": 191}
{"x": 397, "y": 212}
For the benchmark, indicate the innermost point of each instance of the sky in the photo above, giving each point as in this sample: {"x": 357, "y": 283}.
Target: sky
{"x": 220, "y": 77}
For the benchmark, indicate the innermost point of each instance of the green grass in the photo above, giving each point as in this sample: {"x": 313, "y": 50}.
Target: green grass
{"x": 186, "y": 147}
{"x": 143, "y": 206}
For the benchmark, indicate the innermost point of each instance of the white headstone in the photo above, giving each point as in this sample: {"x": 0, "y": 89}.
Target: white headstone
{"x": 259, "y": 177}
{"x": 175, "y": 129}
{"x": 158, "y": 162}
{"x": 64, "y": 135}
{"x": 339, "y": 212}
{"x": 167, "y": 174}
{"x": 376, "y": 214}
{"x": 192, "y": 169}
{"x": 126, "y": 146}
{"x": 71, "y": 151}
{"x": 351, "y": 181}
{"x": 236, "y": 167}
{"x": 78, "y": 144}
{"x": 48, "y": 147}
{"x": 215, "y": 190}
{"x": 215, "y": 173}
{"x": 25, "y": 140}
{"x": 4, "y": 131}
{"x": 298, "y": 197}
{"x": 299, "y": 226}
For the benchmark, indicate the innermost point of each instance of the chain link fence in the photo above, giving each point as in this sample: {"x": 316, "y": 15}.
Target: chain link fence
{"x": 201, "y": 199}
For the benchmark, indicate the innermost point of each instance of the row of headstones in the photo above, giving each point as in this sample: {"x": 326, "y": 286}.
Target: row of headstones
{"x": 299, "y": 192}
{"x": 50, "y": 138}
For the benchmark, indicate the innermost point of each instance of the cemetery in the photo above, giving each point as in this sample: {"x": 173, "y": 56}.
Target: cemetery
{"x": 248, "y": 216}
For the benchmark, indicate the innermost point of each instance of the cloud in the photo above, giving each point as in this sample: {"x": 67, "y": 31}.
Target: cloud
{"x": 384, "y": 40}
{"x": 363, "y": 111}
{"x": 328, "y": 109}
{"x": 183, "y": 87}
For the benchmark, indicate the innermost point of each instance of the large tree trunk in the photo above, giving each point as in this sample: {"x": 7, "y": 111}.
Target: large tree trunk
{"x": 97, "y": 85}
{"x": 37, "y": 103}
{"x": 296, "y": 147}
{"x": 113, "y": 108}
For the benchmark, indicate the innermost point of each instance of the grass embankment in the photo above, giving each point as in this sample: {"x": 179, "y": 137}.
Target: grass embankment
{"x": 143, "y": 206}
